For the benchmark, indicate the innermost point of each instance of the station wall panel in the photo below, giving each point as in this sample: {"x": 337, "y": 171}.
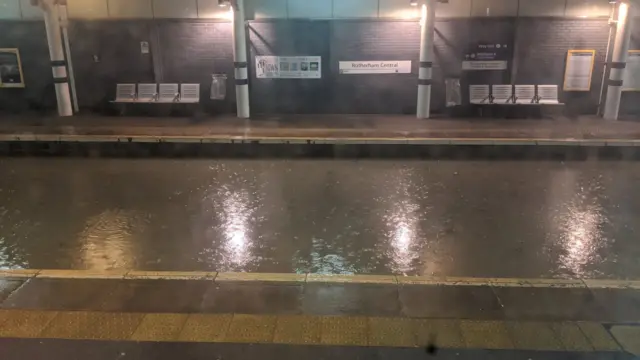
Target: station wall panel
{"x": 273, "y": 9}
{"x": 398, "y": 9}
{"x": 136, "y": 9}
{"x": 306, "y": 9}
{"x": 587, "y": 8}
{"x": 484, "y": 8}
{"x": 355, "y": 9}
{"x": 209, "y": 9}
{"x": 454, "y": 8}
{"x": 87, "y": 9}
{"x": 172, "y": 9}
{"x": 542, "y": 8}
{"x": 30, "y": 12}
{"x": 10, "y": 9}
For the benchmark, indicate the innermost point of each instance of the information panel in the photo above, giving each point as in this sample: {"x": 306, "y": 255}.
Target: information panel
{"x": 375, "y": 67}
{"x": 487, "y": 56}
{"x": 631, "y": 80}
{"x": 579, "y": 69}
{"x": 10, "y": 69}
{"x": 288, "y": 67}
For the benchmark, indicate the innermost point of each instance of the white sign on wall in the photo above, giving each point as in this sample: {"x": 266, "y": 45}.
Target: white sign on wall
{"x": 375, "y": 67}
{"x": 288, "y": 67}
{"x": 577, "y": 75}
{"x": 631, "y": 80}
{"x": 484, "y": 65}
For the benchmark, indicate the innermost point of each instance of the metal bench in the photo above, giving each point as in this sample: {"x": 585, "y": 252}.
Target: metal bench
{"x": 479, "y": 94}
{"x": 147, "y": 92}
{"x": 548, "y": 95}
{"x": 125, "y": 93}
{"x": 502, "y": 94}
{"x": 525, "y": 94}
{"x": 190, "y": 93}
{"x": 168, "y": 93}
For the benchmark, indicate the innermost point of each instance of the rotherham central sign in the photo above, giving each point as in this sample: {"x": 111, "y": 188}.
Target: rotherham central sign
{"x": 375, "y": 67}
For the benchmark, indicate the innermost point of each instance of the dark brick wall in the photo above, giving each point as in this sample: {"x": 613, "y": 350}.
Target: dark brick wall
{"x": 116, "y": 44}
{"x": 194, "y": 50}
{"x": 31, "y": 39}
{"x": 291, "y": 38}
{"x": 366, "y": 40}
{"x": 542, "y": 53}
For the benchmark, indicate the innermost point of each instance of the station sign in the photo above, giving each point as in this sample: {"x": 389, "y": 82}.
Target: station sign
{"x": 288, "y": 67}
{"x": 375, "y": 67}
{"x": 487, "y": 56}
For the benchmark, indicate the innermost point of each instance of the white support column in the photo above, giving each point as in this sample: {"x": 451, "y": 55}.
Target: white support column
{"x": 240, "y": 59}
{"x": 427, "y": 22}
{"x": 56, "y": 52}
{"x": 618, "y": 61}
{"x": 64, "y": 22}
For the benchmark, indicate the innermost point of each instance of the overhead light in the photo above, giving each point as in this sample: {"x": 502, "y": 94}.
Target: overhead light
{"x": 413, "y": 2}
{"x": 223, "y": 3}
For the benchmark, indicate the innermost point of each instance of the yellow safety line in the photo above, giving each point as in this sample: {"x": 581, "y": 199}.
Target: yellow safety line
{"x": 322, "y": 278}
{"x": 318, "y": 330}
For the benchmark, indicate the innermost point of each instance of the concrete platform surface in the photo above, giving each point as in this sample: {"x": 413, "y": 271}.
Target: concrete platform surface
{"x": 324, "y": 128}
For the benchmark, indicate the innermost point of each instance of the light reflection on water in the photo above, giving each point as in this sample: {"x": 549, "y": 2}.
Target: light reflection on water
{"x": 459, "y": 218}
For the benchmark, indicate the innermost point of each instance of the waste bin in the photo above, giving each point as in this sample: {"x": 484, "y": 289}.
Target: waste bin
{"x": 218, "y": 86}
{"x": 454, "y": 96}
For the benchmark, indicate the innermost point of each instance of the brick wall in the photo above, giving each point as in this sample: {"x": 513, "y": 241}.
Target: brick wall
{"x": 542, "y": 53}
{"x": 31, "y": 39}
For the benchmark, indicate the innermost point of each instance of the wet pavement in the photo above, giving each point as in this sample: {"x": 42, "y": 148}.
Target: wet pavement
{"x": 327, "y": 126}
{"x": 460, "y": 218}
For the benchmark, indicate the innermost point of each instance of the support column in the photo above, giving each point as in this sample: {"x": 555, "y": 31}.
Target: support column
{"x": 618, "y": 62}
{"x": 426, "y": 58}
{"x": 64, "y": 22}
{"x": 56, "y": 52}
{"x": 240, "y": 59}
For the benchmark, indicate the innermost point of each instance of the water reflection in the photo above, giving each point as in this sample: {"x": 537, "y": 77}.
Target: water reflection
{"x": 235, "y": 214}
{"x": 108, "y": 240}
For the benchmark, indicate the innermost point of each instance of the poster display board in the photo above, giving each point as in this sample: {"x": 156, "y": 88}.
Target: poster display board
{"x": 10, "y": 69}
{"x": 631, "y": 81}
{"x": 487, "y": 56}
{"x": 375, "y": 67}
{"x": 579, "y": 70}
{"x": 288, "y": 67}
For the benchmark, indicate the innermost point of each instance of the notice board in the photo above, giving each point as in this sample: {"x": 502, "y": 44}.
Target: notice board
{"x": 10, "y": 69}
{"x": 631, "y": 81}
{"x": 579, "y": 70}
{"x": 288, "y": 67}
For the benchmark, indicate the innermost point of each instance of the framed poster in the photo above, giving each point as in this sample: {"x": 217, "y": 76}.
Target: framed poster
{"x": 288, "y": 67}
{"x": 631, "y": 81}
{"x": 579, "y": 70}
{"x": 375, "y": 67}
{"x": 10, "y": 69}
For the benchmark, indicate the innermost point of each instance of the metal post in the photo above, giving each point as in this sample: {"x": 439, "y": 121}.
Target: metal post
{"x": 426, "y": 59}
{"x": 618, "y": 62}
{"x": 240, "y": 59}
{"x": 64, "y": 22}
{"x": 58, "y": 63}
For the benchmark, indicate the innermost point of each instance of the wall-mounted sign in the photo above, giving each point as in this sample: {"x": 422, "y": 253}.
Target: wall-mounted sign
{"x": 10, "y": 69}
{"x": 631, "y": 80}
{"x": 144, "y": 47}
{"x": 288, "y": 67}
{"x": 487, "y": 56}
{"x": 579, "y": 69}
{"x": 375, "y": 67}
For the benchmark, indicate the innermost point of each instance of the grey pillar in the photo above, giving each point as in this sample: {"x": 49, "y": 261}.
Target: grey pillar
{"x": 64, "y": 22}
{"x": 618, "y": 62}
{"x": 240, "y": 59}
{"x": 426, "y": 58}
{"x": 56, "y": 52}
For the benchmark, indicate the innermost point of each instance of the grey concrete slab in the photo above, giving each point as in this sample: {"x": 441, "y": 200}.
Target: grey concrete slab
{"x": 175, "y": 296}
{"x": 460, "y": 302}
{"x": 59, "y": 294}
{"x": 351, "y": 299}
{"x": 8, "y": 286}
{"x": 571, "y": 304}
{"x": 621, "y": 305}
{"x": 253, "y": 298}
